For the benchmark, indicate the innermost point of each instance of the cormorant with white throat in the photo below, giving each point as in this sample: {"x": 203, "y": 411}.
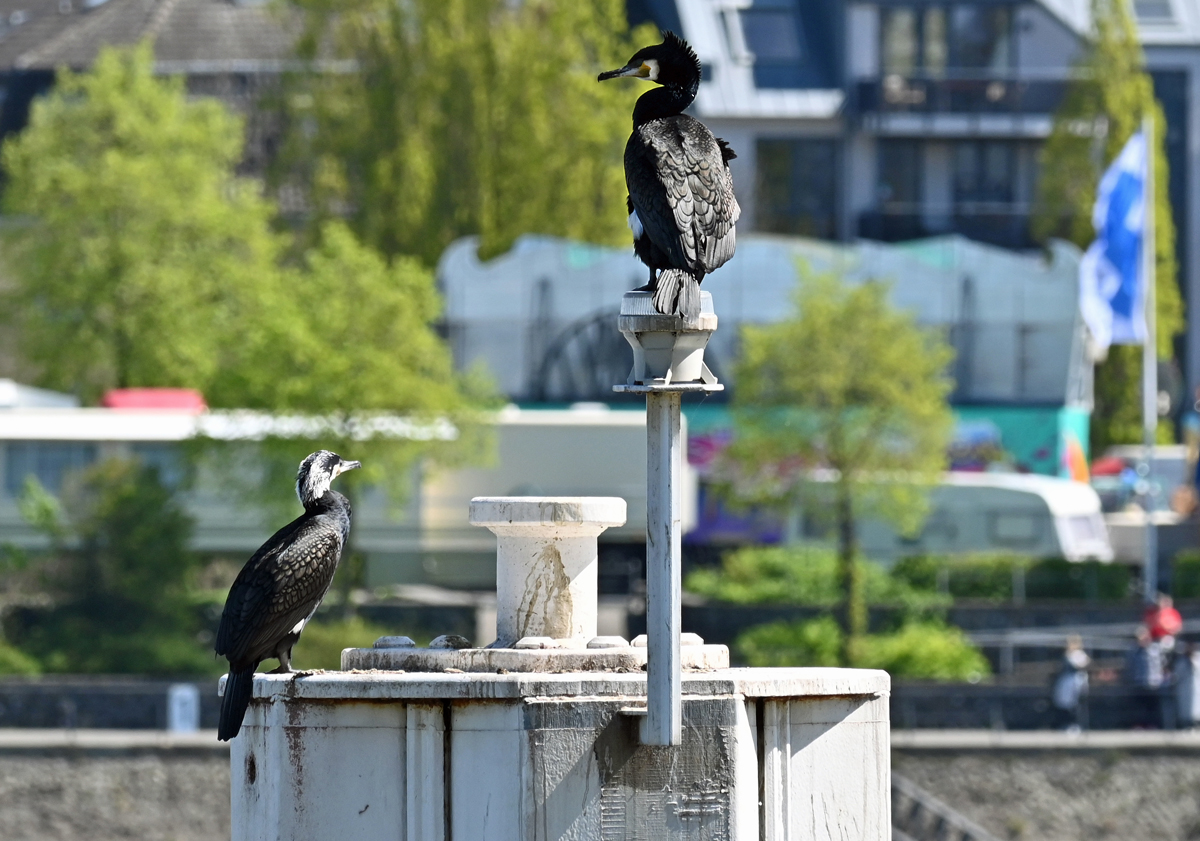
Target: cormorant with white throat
{"x": 278, "y": 589}
{"x": 682, "y": 210}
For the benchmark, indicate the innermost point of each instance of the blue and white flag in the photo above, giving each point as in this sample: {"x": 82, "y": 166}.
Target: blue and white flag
{"x": 1111, "y": 286}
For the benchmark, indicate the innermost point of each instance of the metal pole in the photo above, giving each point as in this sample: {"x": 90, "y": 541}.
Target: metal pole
{"x": 1149, "y": 372}
{"x": 664, "y": 465}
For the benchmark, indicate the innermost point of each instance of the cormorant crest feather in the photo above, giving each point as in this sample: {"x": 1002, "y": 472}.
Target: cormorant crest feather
{"x": 674, "y": 41}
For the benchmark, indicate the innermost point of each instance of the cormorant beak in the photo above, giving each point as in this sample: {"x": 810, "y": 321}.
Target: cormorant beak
{"x": 348, "y": 465}
{"x": 641, "y": 70}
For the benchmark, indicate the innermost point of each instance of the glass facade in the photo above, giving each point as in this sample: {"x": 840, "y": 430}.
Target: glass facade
{"x": 899, "y": 183}
{"x": 1153, "y": 11}
{"x": 50, "y": 462}
{"x": 164, "y": 458}
{"x": 797, "y": 187}
{"x": 791, "y": 41}
{"x": 981, "y": 38}
{"x": 940, "y": 39}
{"x": 984, "y": 172}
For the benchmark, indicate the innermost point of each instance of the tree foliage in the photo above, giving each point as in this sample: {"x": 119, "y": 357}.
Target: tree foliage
{"x": 803, "y": 575}
{"x": 145, "y": 261}
{"x": 464, "y": 117}
{"x": 138, "y": 247}
{"x": 845, "y": 401}
{"x": 1104, "y": 106}
{"x": 917, "y": 651}
{"x": 351, "y": 341}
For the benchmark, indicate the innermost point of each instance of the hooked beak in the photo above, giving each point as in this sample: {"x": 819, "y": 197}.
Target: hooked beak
{"x": 640, "y": 70}
{"x": 348, "y": 465}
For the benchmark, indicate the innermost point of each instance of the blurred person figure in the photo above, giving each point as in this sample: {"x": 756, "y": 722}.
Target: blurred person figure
{"x": 1144, "y": 669}
{"x": 1071, "y": 685}
{"x": 1163, "y": 621}
{"x": 1187, "y": 693}
{"x": 1144, "y": 664}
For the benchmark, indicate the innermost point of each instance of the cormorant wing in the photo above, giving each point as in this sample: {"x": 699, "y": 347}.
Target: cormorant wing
{"x": 681, "y": 186}
{"x": 278, "y": 587}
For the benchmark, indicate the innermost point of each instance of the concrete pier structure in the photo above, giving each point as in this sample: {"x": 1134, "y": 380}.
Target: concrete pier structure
{"x": 766, "y": 754}
{"x": 543, "y": 734}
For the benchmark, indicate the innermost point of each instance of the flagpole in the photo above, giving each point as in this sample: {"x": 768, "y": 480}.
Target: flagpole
{"x": 1149, "y": 371}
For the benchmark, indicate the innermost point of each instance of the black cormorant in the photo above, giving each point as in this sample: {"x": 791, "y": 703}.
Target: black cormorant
{"x": 278, "y": 589}
{"x": 681, "y": 205}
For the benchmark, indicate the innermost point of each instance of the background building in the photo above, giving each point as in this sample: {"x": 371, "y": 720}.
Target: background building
{"x": 901, "y": 119}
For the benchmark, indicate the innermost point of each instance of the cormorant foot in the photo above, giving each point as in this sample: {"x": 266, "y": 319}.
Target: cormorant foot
{"x": 282, "y": 670}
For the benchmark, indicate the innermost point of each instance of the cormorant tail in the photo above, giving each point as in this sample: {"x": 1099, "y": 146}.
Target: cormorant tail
{"x": 689, "y": 298}
{"x": 677, "y": 292}
{"x": 238, "y": 689}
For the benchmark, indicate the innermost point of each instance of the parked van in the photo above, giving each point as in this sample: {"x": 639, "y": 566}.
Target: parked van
{"x": 1018, "y": 513}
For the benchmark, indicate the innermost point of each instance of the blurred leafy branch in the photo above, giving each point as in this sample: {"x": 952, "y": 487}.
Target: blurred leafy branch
{"x": 141, "y": 258}
{"x": 462, "y": 117}
{"x": 1109, "y": 95}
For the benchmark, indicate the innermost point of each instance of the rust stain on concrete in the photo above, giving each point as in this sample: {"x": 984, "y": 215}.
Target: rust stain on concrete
{"x": 547, "y": 598}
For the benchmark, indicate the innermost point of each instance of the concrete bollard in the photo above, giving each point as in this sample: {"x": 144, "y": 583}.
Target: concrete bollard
{"x": 546, "y": 564}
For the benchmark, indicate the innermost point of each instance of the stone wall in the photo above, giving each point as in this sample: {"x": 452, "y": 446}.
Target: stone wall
{"x": 1065, "y": 794}
{"x": 105, "y": 794}
{"x": 1026, "y": 787}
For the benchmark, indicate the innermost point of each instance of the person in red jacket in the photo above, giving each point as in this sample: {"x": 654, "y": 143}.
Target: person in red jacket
{"x": 1163, "y": 620}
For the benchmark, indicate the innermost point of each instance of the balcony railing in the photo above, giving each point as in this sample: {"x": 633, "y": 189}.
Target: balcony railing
{"x": 1007, "y": 228}
{"x": 897, "y": 94}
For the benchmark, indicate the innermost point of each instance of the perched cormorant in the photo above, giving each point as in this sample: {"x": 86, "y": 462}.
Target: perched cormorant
{"x": 278, "y": 589}
{"x": 682, "y": 210}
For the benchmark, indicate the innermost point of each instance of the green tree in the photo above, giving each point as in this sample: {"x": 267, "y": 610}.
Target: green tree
{"x": 351, "y": 344}
{"x": 850, "y": 386}
{"x": 137, "y": 249}
{"x": 143, "y": 260}
{"x": 118, "y": 573}
{"x": 464, "y": 117}
{"x": 1105, "y": 105}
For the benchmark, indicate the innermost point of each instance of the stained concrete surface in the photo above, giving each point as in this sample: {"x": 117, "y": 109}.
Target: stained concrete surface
{"x": 1145, "y": 786}
{"x": 1022, "y": 786}
{"x": 88, "y": 793}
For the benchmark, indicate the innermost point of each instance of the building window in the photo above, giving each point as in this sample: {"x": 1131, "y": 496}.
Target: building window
{"x": 164, "y": 459}
{"x": 797, "y": 187}
{"x": 901, "y": 48}
{"x": 932, "y": 39}
{"x": 50, "y": 462}
{"x": 980, "y": 38}
{"x": 790, "y": 41}
{"x": 984, "y": 172}
{"x": 935, "y": 49}
{"x": 1153, "y": 11}
{"x": 899, "y": 183}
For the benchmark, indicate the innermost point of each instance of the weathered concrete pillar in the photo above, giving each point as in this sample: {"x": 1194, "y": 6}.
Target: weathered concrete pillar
{"x": 546, "y": 564}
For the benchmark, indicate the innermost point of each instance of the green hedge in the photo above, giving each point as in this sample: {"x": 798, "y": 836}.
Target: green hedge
{"x": 918, "y": 650}
{"x": 1185, "y": 577}
{"x": 992, "y": 577}
{"x": 801, "y": 574}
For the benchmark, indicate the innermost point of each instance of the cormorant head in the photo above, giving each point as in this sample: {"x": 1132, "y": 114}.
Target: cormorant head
{"x": 316, "y": 474}
{"x": 672, "y": 63}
